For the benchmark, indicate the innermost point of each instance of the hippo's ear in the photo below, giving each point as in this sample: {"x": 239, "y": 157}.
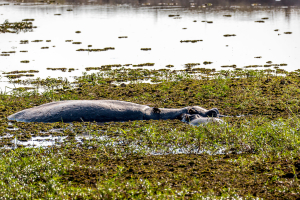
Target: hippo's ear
{"x": 214, "y": 112}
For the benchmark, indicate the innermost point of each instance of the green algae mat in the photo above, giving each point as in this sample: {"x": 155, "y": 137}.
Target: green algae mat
{"x": 254, "y": 156}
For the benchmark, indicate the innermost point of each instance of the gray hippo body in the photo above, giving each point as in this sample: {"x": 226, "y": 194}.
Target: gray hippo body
{"x": 103, "y": 111}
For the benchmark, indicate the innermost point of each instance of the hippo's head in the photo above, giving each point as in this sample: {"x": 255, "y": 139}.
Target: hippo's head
{"x": 214, "y": 112}
{"x": 196, "y": 119}
{"x": 189, "y": 117}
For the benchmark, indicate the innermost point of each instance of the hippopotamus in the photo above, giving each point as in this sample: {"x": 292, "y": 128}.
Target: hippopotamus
{"x": 110, "y": 110}
{"x": 196, "y": 119}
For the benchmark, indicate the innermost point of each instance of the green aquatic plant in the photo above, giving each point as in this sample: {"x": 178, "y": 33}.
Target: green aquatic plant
{"x": 16, "y": 27}
{"x": 145, "y": 49}
{"x": 229, "y": 35}
{"x": 192, "y": 41}
{"x": 24, "y": 41}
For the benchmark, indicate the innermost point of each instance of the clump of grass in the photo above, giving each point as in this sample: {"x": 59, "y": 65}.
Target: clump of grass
{"x": 16, "y": 27}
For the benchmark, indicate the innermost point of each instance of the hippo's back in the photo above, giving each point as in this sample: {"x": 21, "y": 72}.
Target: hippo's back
{"x": 82, "y": 110}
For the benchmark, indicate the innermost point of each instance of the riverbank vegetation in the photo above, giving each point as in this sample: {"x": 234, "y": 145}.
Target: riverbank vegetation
{"x": 252, "y": 156}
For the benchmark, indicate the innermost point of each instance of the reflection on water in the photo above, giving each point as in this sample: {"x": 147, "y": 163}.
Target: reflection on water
{"x": 75, "y": 35}
{"x": 182, "y": 3}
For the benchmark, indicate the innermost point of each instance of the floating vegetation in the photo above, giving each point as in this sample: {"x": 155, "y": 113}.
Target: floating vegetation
{"x": 232, "y": 66}
{"x": 122, "y": 37}
{"x": 57, "y": 14}
{"x": 15, "y": 27}
{"x": 144, "y": 65}
{"x": 265, "y": 18}
{"x": 23, "y": 51}
{"x": 195, "y": 21}
{"x": 192, "y": 41}
{"x": 15, "y": 76}
{"x": 63, "y": 69}
{"x": 283, "y": 64}
{"x": 184, "y": 28}
{"x": 145, "y": 49}
{"x": 21, "y": 89}
{"x": 90, "y": 45}
{"x": 93, "y": 68}
{"x": 27, "y": 20}
{"x": 253, "y": 66}
{"x": 209, "y": 22}
{"x": 71, "y": 69}
{"x": 190, "y": 65}
{"x": 112, "y": 65}
{"x": 77, "y": 31}
{"x": 8, "y": 51}
{"x": 229, "y": 35}
{"x": 103, "y": 67}
{"x": 97, "y": 50}
{"x": 69, "y": 10}
{"x": 24, "y": 41}
{"x": 68, "y": 40}
{"x": 37, "y": 41}
{"x": 76, "y": 42}
{"x": 207, "y": 62}
{"x": 174, "y": 15}
{"x": 227, "y": 15}
{"x": 24, "y": 61}
{"x": 269, "y": 62}
{"x": 22, "y": 71}
{"x": 169, "y": 66}
{"x": 258, "y": 57}
{"x": 126, "y": 65}
{"x": 203, "y": 21}
{"x": 177, "y": 17}
{"x": 276, "y": 30}
{"x": 48, "y": 40}
{"x": 4, "y": 54}
{"x": 287, "y": 32}
{"x": 260, "y": 21}
{"x": 44, "y": 47}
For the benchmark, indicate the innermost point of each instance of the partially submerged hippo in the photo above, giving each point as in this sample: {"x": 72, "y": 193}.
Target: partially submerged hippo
{"x": 110, "y": 110}
{"x": 196, "y": 119}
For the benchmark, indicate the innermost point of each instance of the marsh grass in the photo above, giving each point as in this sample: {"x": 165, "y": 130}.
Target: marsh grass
{"x": 16, "y": 27}
{"x": 254, "y": 156}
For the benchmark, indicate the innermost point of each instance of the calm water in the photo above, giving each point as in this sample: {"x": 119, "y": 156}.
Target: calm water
{"x": 148, "y": 26}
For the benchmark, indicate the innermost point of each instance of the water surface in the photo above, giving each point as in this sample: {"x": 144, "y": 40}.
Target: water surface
{"x": 148, "y": 25}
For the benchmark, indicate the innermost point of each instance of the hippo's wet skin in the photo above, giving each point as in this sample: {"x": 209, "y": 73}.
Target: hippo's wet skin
{"x": 104, "y": 111}
{"x": 196, "y": 119}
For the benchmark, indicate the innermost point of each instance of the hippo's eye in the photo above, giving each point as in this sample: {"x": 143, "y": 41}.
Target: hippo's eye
{"x": 192, "y": 111}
